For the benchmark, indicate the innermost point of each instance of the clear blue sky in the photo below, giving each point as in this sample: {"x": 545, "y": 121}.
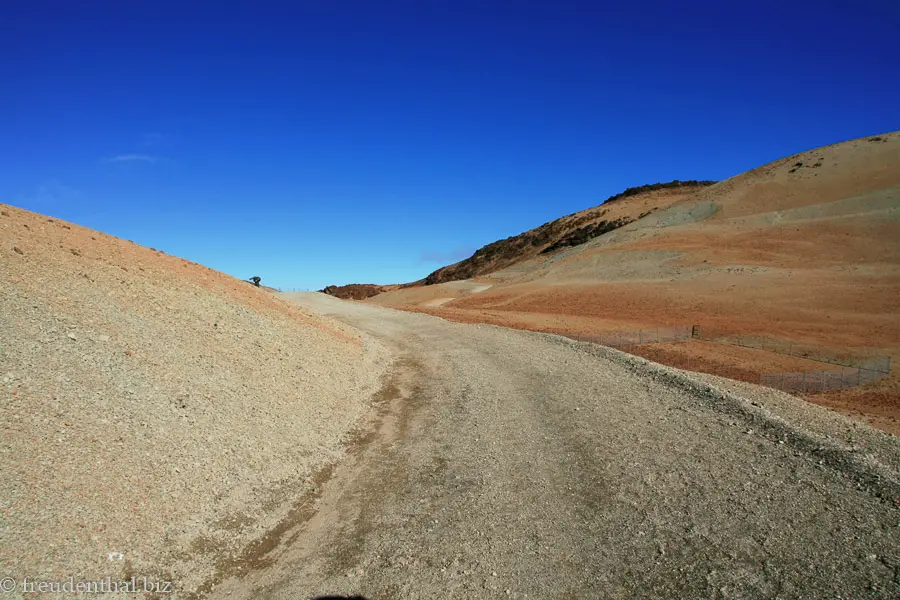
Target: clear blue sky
{"x": 326, "y": 142}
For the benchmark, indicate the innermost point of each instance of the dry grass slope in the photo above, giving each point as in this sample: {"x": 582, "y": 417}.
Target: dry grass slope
{"x": 570, "y": 230}
{"x": 804, "y": 249}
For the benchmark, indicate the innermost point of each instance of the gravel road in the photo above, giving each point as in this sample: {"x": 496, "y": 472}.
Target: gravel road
{"x": 508, "y": 464}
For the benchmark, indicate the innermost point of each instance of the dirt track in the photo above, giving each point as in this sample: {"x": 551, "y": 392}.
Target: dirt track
{"x": 504, "y": 464}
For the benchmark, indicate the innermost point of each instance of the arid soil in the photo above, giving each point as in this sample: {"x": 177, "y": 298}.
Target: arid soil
{"x": 805, "y": 249}
{"x": 164, "y": 420}
{"x": 508, "y": 464}
{"x": 877, "y": 404}
{"x": 157, "y": 416}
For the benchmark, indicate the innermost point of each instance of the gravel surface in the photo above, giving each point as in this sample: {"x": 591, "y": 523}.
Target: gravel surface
{"x": 509, "y": 464}
{"x": 161, "y": 419}
{"x": 156, "y": 409}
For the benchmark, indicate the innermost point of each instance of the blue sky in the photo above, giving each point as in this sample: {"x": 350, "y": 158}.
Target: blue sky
{"x": 330, "y": 142}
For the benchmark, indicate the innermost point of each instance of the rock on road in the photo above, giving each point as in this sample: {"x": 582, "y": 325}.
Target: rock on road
{"x": 509, "y": 464}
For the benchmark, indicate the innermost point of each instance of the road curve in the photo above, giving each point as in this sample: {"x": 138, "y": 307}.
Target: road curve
{"x": 507, "y": 464}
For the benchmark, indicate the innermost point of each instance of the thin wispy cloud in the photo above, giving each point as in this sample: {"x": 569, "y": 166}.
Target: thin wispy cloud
{"x": 123, "y": 158}
{"x": 50, "y": 195}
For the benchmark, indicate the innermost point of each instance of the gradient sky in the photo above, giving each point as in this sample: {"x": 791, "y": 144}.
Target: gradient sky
{"x": 330, "y": 142}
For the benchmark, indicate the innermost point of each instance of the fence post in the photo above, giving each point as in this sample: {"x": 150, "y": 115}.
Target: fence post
{"x": 888, "y": 371}
{"x": 782, "y": 382}
{"x": 791, "y": 350}
{"x": 858, "y": 374}
{"x": 842, "y": 377}
{"x": 804, "y": 381}
{"x": 640, "y": 336}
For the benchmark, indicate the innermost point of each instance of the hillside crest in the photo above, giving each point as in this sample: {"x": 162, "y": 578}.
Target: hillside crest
{"x": 570, "y": 230}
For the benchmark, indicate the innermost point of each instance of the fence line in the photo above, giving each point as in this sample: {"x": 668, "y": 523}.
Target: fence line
{"x": 853, "y": 371}
{"x": 796, "y": 349}
{"x": 821, "y": 381}
{"x": 636, "y": 337}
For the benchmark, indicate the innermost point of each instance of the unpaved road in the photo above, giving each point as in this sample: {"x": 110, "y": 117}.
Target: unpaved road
{"x": 505, "y": 464}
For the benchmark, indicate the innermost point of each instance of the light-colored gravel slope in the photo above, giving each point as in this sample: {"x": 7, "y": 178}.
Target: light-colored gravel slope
{"x": 508, "y": 464}
{"x": 156, "y": 408}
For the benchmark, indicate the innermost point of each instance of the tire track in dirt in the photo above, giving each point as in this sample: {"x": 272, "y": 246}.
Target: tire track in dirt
{"x": 533, "y": 466}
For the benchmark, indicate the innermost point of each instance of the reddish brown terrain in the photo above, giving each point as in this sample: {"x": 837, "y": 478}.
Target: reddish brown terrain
{"x": 804, "y": 250}
{"x": 166, "y": 420}
{"x": 356, "y": 291}
{"x": 570, "y": 230}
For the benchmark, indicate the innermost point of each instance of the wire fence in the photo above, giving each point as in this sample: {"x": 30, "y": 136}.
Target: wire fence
{"x": 664, "y": 356}
{"x": 854, "y": 370}
{"x": 645, "y": 343}
{"x": 824, "y": 380}
{"x": 629, "y": 339}
{"x": 834, "y": 356}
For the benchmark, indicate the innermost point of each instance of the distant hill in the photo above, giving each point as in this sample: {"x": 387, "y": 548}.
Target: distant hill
{"x": 570, "y": 230}
{"x": 804, "y": 250}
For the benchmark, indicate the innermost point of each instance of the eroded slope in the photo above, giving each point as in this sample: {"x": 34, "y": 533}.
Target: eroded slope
{"x": 155, "y": 407}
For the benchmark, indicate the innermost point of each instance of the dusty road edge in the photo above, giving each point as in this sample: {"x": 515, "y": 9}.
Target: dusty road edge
{"x": 866, "y": 471}
{"x": 393, "y": 413}
{"x": 393, "y": 409}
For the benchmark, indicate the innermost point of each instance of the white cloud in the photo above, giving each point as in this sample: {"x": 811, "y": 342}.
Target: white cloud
{"x": 133, "y": 158}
